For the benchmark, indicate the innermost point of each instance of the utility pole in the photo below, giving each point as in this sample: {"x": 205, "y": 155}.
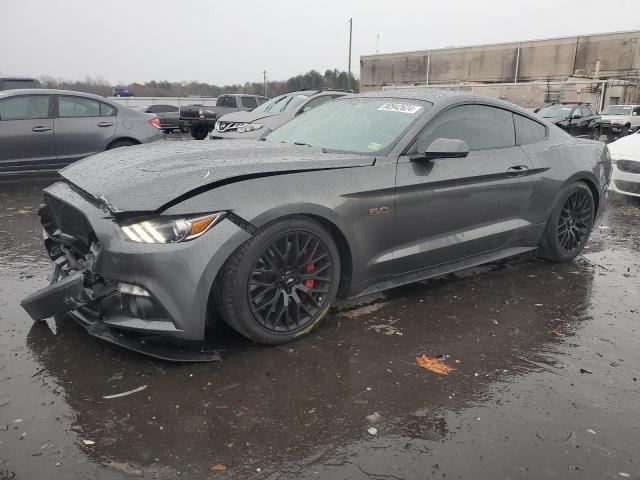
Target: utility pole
{"x": 350, "y": 37}
{"x": 264, "y": 81}
{"x": 378, "y": 44}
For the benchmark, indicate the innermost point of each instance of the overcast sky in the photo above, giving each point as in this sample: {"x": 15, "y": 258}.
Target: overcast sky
{"x": 234, "y": 41}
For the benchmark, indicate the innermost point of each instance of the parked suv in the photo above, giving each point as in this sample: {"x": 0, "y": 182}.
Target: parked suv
{"x": 619, "y": 120}
{"x": 200, "y": 119}
{"x": 576, "y": 119}
{"x": 48, "y": 129}
{"x": 272, "y": 114}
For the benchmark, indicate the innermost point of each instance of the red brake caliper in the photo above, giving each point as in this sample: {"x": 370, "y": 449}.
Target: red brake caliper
{"x": 310, "y": 283}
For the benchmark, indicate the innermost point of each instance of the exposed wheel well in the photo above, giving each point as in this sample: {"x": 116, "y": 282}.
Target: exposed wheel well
{"x": 594, "y": 192}
{"x": 346, "y": 259}
{"x": 120, "y": 139}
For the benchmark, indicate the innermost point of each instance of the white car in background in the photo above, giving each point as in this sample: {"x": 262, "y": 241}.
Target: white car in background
{"x": 625, "y": 156}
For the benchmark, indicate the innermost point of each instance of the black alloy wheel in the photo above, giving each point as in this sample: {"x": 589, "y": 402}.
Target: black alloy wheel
{"x": 289, "y": 282}
{"x": 279, "y": 284}
{"x": 569, "y": 225}
{"x": 575, "y": 220}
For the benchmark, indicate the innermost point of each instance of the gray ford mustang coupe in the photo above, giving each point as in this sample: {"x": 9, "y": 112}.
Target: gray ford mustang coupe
{"x": 152, "y": 243}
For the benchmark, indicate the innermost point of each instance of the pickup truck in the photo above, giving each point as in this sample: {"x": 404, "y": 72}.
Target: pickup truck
{"x": 200, "y": 119}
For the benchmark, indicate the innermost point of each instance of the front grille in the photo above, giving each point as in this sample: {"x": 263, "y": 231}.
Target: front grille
{"x": 630, "y": 187}
{"x": 68, "y": 219}
{"x": 628, "y": 166}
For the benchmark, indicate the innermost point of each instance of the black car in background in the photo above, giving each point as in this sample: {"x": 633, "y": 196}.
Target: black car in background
{"x": 169, "y": 116}
{"x": 576, "y": 119}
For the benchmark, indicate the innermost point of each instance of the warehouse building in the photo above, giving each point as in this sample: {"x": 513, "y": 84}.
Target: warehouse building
{"x": 600, "y": 69}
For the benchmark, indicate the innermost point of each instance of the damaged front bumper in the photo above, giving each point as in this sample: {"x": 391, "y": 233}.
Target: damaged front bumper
{"x": 152, "y": 299}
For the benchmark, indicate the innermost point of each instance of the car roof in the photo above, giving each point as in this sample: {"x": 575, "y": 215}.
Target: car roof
{"x": 442, "y": 97}
{"x": 49, "y": 91}
{"x": 240, "y": 95}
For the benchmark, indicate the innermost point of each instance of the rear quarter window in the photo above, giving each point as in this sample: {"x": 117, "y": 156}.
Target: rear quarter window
{"x": 249, "y": 102}
{"x": 528, "y": 131}
{"x": 107, "y": 110}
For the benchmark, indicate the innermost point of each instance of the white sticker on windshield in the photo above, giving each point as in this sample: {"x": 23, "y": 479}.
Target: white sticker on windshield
{"x": 400, "y": 107}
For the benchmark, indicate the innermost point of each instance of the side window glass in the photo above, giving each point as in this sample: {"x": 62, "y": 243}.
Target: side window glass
{"x": 249, "y": 102}
{"x": 220, "y": 101}
{"x": 107, "y": 110}
{"x": 636, "y": 111}
{"x": 528, "y": 131}
{"x": 230, "y": 102}
{"x": 481, "y": 126}
{"x": 25, "y": 107}
{"x": 74, "y": 107}
{"x": 315, "y": 102}
{"x": 585, "y": 111}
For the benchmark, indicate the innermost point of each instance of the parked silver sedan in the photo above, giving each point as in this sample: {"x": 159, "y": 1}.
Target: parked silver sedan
{"x": 48, "y": 129}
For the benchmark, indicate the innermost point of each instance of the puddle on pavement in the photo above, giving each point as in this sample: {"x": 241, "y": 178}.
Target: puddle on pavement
{"x": 542, "y": 353}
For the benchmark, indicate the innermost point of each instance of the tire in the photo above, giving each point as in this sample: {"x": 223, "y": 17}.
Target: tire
{"x": 569, "y": 225}
{"x": 274, "y": 298}
{"x": 121, "y": 143}
{"x": 199, "y": 133}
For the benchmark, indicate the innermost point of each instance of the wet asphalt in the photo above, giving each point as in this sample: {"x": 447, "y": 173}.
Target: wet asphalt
{"x": 544, "y": 383}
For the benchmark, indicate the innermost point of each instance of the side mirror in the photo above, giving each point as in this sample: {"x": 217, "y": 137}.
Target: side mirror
{"x": 443, "y": 148}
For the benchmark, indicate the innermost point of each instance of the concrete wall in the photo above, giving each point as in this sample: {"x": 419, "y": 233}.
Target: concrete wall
{"x": 612, "y": 54}
{"x": 533, "y": 95}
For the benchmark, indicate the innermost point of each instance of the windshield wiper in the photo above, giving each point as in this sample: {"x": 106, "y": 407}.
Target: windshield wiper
{"x": 302, "y": 144}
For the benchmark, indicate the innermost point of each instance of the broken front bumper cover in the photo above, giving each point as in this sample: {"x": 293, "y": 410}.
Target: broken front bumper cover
{"x": 73, "y": 295}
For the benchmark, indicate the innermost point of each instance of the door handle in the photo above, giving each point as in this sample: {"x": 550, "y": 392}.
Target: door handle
{"x": 517, "y": 171}
{"x": 105, "y": 124}
{"x": 40, "y": 128}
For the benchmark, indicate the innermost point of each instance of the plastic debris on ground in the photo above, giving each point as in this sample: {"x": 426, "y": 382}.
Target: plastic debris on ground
{"x": 124, "y": 394}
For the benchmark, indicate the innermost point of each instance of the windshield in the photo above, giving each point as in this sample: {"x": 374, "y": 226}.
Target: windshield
{"x": 617, "y": 110}
{"x": 555, "y": 111}
{"x": 281, "y": 103}
{"x": 356, "y": 124}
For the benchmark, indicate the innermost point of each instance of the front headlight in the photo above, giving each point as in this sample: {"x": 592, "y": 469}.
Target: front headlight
{"x": 170, "y": 229}
{"x": 250, "y": 127}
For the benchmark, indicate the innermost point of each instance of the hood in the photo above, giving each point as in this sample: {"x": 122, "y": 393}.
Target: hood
{"x": 245, "y": 117}
{"x": 612, "y": 118}
{"x": 145, "y": 178}
{"x": 626, "y": 147}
